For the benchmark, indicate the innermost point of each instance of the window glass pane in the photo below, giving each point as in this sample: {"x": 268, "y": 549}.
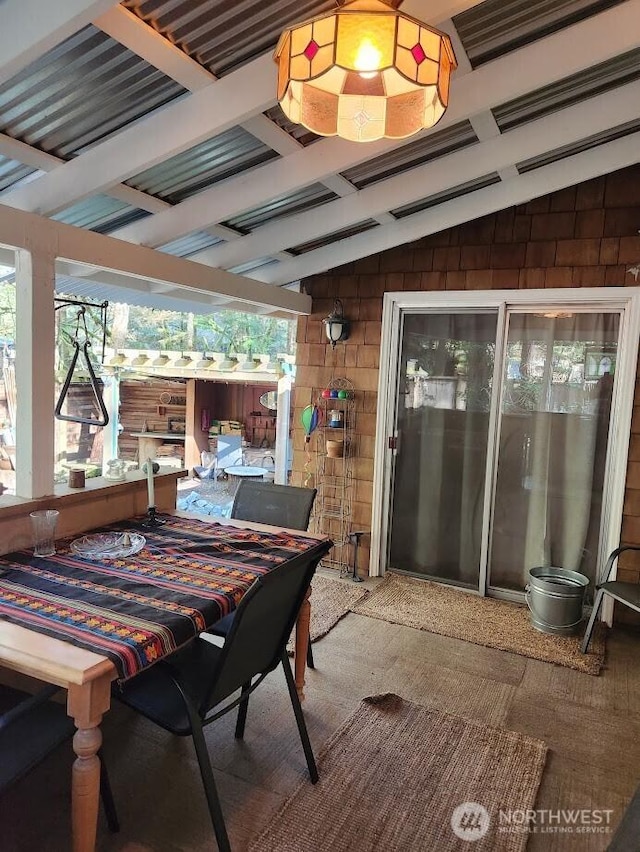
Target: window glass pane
{"x": 443, "y": 424}
{"x": 8, "y": 401}
{"x": 555, "y": 410}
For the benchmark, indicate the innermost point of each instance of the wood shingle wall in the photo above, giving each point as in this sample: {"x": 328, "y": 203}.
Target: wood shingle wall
{"x": 584, "y": 236}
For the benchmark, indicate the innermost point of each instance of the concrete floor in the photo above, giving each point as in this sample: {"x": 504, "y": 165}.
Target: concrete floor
{"x": 591, "y": 725}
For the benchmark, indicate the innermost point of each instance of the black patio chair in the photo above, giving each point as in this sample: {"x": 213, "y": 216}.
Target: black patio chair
{"x": 194, "y": 686}
{"x": 31, "y": 728}
{"x": 625, "y": 593}
{"x": 279, "y": 505}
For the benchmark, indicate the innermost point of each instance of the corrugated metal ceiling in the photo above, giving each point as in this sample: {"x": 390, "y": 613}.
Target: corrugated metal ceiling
{"x": 297, "y": 131}
{"x": 447, "y": 195}
{"x": 12, "y": 172}
{"x": 203, "y": 165}
{"x": 98, "y": 291}
{"x": 413, "y": 154}
{"x": 190, "y": 244}
{"x": 83, "y": 90}
{"x": 222, "y": 34}
{"x": 336, "y": 236}
{"x": 496, "y": 27}
{"x": 577, "y": 147}
{"x": 571, "y": 90}
{"x": 282, "y": 205}
{"x": 100, "y": 213}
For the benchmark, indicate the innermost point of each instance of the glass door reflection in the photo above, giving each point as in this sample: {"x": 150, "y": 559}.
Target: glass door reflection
{"x": 442, "y": 420}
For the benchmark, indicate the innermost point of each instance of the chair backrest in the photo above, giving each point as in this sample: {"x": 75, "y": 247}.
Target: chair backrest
{"x": 30, "y": 728}
{"x": 279, "y": 505}
{"x": 228, "y": 450}
{"x": 262, "y": 624}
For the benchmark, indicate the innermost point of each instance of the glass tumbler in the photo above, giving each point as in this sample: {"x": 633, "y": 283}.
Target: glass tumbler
{"x": 43, "y": 523}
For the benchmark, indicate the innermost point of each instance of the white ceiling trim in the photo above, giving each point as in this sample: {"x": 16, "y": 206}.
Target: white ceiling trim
{"x": 561, "y": 128}
{"x": 29, "y": 28}
{"x": 189, "y": 121}
{"x": 437, "y": 11}
{"x": 150, "y": 45}
{"x": 251, "y": 89}
{"x": 28, "y": 231}
{"x": 528, "y": 69}
{"x": 581, "y": 167}
{"x": 131, "y": 31}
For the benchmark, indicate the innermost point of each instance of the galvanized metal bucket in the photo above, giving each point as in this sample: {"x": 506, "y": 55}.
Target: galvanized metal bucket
{"x": 555, "y": 597}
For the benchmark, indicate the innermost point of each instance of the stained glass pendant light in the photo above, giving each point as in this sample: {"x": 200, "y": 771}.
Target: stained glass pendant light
{"x": 364, "y": 72}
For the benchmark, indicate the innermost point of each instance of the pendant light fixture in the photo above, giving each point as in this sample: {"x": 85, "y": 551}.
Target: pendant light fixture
{"x": 364, "y": 72}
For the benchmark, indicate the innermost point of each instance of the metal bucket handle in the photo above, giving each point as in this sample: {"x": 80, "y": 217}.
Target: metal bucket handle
{"x": 527, "y": 597}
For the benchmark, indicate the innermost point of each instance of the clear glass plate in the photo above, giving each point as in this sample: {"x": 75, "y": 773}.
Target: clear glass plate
{"x": 108, "y": 545}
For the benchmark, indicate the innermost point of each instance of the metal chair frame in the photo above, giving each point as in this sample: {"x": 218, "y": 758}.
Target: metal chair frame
{"x": 626, "y": 593}
{"x": 193, "y": 687}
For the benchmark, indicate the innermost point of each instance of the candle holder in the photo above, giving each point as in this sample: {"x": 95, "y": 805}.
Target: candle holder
{"x": 152, "y": 519}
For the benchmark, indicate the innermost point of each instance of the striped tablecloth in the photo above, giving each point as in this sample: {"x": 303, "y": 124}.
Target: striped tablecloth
{"x": 138, "y": 609}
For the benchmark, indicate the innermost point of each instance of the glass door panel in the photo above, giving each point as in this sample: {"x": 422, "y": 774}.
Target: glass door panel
{"x": 444, "y": 398}
{"x": 553, "y": 434}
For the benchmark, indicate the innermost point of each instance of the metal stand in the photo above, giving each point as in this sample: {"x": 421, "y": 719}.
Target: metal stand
{"x": 334, "y": 470}
{"x": 152, "y": 520}
{"x": 354, "y": 538}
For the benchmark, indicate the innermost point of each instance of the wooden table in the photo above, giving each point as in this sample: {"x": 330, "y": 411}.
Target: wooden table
{"x": 150, "y": 442}
{"x": 87, "y": 678}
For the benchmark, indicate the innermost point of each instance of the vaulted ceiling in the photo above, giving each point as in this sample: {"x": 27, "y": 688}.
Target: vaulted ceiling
{"x": 155, "y": 122}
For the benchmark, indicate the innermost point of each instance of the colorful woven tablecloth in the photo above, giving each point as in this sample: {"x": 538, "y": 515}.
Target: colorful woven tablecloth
{"x": 138, "y": 609}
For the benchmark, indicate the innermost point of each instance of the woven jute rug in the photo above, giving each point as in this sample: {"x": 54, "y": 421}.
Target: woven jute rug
{"x": 331, "y": 600}
{"x": 483, "y": 621}
{"x": 400, "y": 777}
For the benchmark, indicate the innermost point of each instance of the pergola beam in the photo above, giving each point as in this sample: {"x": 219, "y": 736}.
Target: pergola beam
{"x": 537, "y": 65}
{"x": 564, "y": 127}
{"x": 28, "y": 231}
{"x": 567, "y": 172}
{"x": 29, "y": 28}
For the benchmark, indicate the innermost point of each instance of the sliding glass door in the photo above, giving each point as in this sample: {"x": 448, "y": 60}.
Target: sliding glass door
{"x": 443, "y": 408}
{"x": 498, "y": 452}
{"x": 555, "y": 407}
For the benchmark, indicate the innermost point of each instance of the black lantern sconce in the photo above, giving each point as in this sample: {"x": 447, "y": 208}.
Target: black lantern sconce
{"x": 336, "y": 325}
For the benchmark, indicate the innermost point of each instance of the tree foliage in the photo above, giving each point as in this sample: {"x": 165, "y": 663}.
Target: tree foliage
{"x": 150, "y": 328}
{"x": 223, "y": 331}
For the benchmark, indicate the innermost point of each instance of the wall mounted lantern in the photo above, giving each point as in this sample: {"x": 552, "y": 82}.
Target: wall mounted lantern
{"x": 336, "y": 324}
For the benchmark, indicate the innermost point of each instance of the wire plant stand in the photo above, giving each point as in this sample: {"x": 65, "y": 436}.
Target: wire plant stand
{"x": 335, "y": 446}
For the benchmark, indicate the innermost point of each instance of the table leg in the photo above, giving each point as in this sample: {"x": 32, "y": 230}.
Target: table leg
{"x": 86, "y": 704}
{"x": 302, "y": 643}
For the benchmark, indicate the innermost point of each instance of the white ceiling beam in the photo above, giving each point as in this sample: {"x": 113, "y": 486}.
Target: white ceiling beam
{"x": 29, "y": 156}
{"x": 28, "y": 231}
{"x": 341, "y": 186}
{"x": 564, "y": 127}
{"x": 29, "y": 28}
{"x": 115, "y": 287}
{"x": 251, "y": 89}
{"x": 272, "y": 135}
{"x": 134, "y": 33}
{"x": 572, "y": 170}
{"x": 180, "y": 126}
{"x": 143, "y": 40}
{"x": 539, "y": 64}
{"x": 437, "y": 11}
{"x": 154, "y": 48}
